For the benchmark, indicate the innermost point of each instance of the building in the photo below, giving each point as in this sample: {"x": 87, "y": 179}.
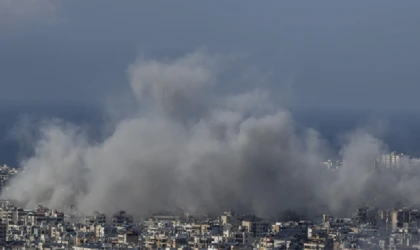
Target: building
{"x": 122, "y": 217}
{"x": 255, "y": 226}
{"x": 3, "y": 230}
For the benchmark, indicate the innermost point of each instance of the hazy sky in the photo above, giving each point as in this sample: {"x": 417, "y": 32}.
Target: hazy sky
{"x": 358, "y": 54}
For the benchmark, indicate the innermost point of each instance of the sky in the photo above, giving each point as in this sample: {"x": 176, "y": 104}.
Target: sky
{"x": 315, "y": 54}
{"x": 211, "y": 84}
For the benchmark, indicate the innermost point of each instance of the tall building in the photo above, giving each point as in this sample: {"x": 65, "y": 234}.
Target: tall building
{"x": 3, "y": 230}
{"x": 254, "y": 225}
{"x": 399, "y": 218}
{"x": 393, "y": 160}
{"x": 230, "y": 217}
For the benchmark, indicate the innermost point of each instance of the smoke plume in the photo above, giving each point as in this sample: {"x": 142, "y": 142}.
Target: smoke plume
{"x": 190, "y": 146}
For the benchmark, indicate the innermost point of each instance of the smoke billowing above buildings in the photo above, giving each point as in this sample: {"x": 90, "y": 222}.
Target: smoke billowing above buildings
{"x": 190, "y": 146}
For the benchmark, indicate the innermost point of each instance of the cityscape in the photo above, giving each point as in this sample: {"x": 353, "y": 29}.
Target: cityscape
{"x": 368, "y": 227}
{"x": 209, "y": 125}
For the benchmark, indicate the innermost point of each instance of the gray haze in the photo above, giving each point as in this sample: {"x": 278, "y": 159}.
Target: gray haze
{"x": 211, "y": 129}
{"x": 189, "y": 146}
{"x": 324, "y": 54}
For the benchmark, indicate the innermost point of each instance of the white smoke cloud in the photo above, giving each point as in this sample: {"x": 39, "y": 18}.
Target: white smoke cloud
{"x": 192, "y": 147}
{"x": 349, "y": 186}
